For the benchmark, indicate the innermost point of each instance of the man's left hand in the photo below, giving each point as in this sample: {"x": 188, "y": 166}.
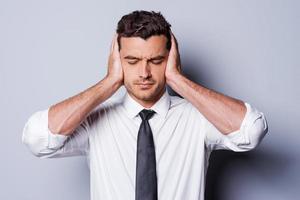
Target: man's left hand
{"x": 173, "y": 66}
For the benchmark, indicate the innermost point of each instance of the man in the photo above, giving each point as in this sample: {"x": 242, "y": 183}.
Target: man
{"x": 146, "y": 145}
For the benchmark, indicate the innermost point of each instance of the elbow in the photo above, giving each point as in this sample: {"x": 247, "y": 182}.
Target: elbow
{"x": 250, "y": 136}
{"x": 35, "y": 135}
{"x": 257, "y": 132}
{"x": 33, "y": 145}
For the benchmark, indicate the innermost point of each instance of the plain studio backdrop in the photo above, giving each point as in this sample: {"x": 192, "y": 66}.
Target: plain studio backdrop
{"x": 51, "y": 50}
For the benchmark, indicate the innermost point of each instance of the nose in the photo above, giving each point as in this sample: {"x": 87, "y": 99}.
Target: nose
{"x": 145, "y": 71}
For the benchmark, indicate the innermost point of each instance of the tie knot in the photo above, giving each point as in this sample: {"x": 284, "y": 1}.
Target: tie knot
{"x": 146, "y": 114}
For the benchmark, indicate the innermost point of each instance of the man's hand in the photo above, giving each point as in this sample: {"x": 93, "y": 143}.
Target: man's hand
{"x": 115, "y": 70}
{"x": 174, "y": 64}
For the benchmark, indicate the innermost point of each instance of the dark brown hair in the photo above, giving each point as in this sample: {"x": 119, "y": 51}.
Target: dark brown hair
{"x": 143, "y": 24}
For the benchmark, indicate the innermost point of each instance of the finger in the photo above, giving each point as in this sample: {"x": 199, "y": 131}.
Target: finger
{"x": 172, "y": 41}
{"x": 175, "y": 49}
{"x": 116, "y": 44}
{"x": 175, "y": 41}
{"x": 174, "y": 46}
{"x": 113, "y": 43}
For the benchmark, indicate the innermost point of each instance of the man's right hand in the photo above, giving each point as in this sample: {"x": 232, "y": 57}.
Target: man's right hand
{"x": 65, "y": 116}
{"x": 115, "y": 70}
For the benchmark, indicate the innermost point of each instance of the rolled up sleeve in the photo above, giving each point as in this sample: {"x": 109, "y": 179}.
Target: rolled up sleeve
{"x": 252, "y": 130}
{"x": 45, "y": 144}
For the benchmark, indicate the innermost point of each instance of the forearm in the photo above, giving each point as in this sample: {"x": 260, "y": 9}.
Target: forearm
{"x": 224, "y": 112}
{"x": 65, "y": 116}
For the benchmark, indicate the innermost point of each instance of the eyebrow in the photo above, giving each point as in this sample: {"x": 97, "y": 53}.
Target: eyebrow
{"x": 159, "y": 57}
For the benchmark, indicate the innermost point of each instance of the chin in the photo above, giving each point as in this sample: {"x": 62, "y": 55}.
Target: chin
{"x": 145, "y": 95}
{"x": 150, "y": 94}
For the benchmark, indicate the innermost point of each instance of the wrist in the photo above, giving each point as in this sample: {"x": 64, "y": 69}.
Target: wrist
{"x": 114, "y": 82}
{"x": 172, "y": 78}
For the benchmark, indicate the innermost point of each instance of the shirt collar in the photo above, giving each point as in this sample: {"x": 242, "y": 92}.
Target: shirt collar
{"x": 133, "y": 108}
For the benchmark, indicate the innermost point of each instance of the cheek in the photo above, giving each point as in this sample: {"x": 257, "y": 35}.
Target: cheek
{"x": 159, "y": 72}
{"x": 129, "y": 75}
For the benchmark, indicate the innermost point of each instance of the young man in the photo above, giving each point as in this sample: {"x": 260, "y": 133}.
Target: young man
{"x": 147, "y": 145}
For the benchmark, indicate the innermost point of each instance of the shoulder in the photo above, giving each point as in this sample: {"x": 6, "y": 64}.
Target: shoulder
{"x": 112, "y": 103}
{"x": 179, "y": 103}
{"x": 104, "y": 109}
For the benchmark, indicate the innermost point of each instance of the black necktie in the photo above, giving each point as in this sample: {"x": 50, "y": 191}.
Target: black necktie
{"x": 146, "y": 183}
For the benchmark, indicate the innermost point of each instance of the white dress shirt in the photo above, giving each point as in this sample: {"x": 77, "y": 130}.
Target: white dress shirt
{"x": 183, "y": 140}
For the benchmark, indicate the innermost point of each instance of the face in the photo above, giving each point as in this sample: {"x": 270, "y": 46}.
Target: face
{"x": 144, "y": 63}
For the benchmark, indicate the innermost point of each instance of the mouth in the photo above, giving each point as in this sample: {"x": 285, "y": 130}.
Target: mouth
{"x": 145, "y": 85}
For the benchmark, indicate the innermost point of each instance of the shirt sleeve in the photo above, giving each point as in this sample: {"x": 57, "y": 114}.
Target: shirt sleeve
{"x": 45, "y": 144}
{"x": 252, "y": 130}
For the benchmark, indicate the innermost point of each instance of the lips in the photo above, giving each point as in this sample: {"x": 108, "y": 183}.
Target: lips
{"x": 145, "y": 85}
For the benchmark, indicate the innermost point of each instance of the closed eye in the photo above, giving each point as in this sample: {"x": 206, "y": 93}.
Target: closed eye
{"x": 132, "y": 63}
{"x": 156, "y": 62}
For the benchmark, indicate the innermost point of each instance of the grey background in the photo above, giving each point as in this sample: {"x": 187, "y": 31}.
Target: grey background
{"x": 51, "y": 50}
